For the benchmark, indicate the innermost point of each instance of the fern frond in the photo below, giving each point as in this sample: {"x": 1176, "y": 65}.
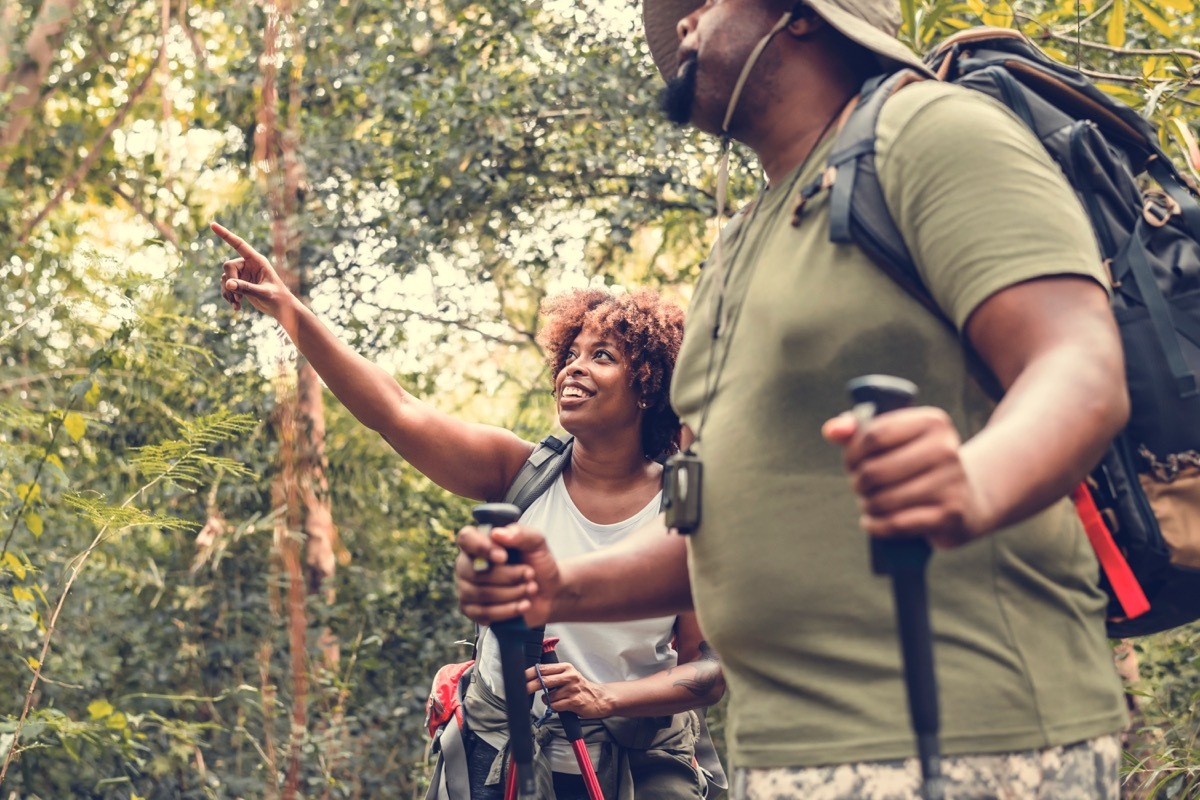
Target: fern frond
{"x": 14, "y": 416}
{"x": 221, "y": 426}
{"x": 106, "y": 515}
{"x": 186, "y": 460}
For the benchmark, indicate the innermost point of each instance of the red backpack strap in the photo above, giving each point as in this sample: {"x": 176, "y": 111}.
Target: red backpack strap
{"x": 1120, "y": 577}
{"x": 444, "y": 700}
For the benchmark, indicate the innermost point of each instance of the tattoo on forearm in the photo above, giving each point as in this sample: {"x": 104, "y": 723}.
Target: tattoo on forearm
{"x": 706, "y": 672}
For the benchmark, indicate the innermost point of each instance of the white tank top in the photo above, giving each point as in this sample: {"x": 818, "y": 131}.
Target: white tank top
{"x": 603, "y": 652}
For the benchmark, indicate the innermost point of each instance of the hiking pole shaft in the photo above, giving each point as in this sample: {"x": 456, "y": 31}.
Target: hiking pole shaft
{"x": 574, "y": 731}
{"x": 511, "y": 636}
{"x": 904, "y": 559}
{"x": 916, "y": 647}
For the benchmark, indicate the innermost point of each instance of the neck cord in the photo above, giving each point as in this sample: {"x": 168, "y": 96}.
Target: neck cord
{"x": 710, "y": 379}
{"x": 734, "y": 97}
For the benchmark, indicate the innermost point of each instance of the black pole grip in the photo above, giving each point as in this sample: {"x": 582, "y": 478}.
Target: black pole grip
{"x": 885, "y": 392}
{"x": 874, "y": 395}
{"x": 511, "y": 636}
{"x": 905, "y": 560}
{"x": 498, "y": 515}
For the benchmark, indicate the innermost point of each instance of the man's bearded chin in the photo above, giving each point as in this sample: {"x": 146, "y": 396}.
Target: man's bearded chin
{"x": 679, "y": 94}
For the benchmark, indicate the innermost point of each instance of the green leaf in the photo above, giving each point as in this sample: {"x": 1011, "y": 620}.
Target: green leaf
{"x": 1116, "y": 24}
{"x": 998, "y": 15}
{"x": 75, "y": 425}
{"x": 1056, "y": 54}
{"x": 1120, "y": 91}
{"x": 99, "y": 709}
{"x": 1154, "y": 19}
{"x": 15, "y": 566}
{"x": 80, "y": 388}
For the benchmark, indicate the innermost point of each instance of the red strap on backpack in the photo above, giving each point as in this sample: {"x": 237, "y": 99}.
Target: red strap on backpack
{"x": 444, "y": 702}
{"x": 1120, "y": 577}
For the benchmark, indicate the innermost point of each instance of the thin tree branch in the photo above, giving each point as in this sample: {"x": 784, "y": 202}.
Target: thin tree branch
{"x": 165, "y": 231}
{"x": 9, "y": 10}
{"x": 8, "y": 386}
{"x": 1140, "y": 52}
{"x": 74, "y": 179}
{"x": 197, "y": 46}
{"x": 44, "y": 39}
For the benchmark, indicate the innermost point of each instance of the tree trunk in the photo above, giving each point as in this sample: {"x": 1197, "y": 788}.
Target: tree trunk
{"x": 26, "y": 72}
{"x": 305, "y": 534}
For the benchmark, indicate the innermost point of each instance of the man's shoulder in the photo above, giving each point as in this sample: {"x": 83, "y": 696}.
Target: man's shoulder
{"x": 954, "y": 125}
{"x": 940, "y": 104}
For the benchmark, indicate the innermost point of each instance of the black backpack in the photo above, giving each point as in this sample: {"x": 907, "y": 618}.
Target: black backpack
{"x": 1141, "y": 505}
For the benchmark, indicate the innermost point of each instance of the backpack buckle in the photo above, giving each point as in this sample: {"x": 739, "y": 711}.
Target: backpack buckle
{"x": 1158, "y": 208}
{"x": 1113, "y": 280}
{"x": 823, "y": 183}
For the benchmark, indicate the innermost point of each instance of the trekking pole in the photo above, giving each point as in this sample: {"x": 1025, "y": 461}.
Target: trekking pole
{"x": 574, "y": 731}
{"x": 905, "y": 559}
{"x": 511, "y": 635}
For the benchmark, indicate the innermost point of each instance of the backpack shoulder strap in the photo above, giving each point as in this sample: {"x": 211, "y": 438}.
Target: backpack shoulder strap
{"x": 858, "y": 212}
{"x": 450, "y": 779}
{"x": 540, "y": 470}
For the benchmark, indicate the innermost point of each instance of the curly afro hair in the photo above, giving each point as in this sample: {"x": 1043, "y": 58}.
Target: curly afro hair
{"x": 649, "y": 330}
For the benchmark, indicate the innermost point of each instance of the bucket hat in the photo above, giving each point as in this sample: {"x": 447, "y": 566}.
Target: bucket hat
{"x": 871, "y": 23}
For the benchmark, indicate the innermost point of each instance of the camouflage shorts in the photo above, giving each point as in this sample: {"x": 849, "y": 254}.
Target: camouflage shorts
{"x": 1086, "y": 770}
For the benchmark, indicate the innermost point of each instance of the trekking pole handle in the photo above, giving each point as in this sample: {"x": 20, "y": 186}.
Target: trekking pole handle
{"x": 495, "y": 515}
{"x": 873, "y": 395}
{"x": 511, "y": 635}
{"x": 877, "y": 394}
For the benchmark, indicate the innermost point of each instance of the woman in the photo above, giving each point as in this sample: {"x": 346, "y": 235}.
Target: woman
{"x": 611, "y": 356}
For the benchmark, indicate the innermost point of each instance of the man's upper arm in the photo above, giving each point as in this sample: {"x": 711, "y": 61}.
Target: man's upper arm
{"x": 1017, "y": 324}
{"x": 981, "y": 204}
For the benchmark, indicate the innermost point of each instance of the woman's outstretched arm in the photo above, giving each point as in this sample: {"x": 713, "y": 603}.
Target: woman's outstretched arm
{"x": 469, "y": 459}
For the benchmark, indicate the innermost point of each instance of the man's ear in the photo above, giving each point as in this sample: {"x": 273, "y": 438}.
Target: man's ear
{"x": 804, "y": 21}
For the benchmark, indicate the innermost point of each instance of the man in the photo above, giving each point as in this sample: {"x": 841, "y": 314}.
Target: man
{"x": 781, "y": 319}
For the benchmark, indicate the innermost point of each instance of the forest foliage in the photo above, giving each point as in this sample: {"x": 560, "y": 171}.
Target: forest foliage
{"x": 426, "y": 172}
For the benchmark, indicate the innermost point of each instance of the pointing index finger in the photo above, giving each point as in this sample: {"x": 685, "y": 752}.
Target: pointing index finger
{"x": 236, "y": 242}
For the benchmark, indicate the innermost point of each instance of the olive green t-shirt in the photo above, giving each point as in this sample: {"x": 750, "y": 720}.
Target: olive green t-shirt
{"x": 780, "y": 571}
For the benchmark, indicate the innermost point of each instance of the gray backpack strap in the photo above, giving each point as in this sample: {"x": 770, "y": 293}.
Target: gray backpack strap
{"x": 540, "y": 470}
{"x": 450, "y": 776}
{"x": 706, "y": 754}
